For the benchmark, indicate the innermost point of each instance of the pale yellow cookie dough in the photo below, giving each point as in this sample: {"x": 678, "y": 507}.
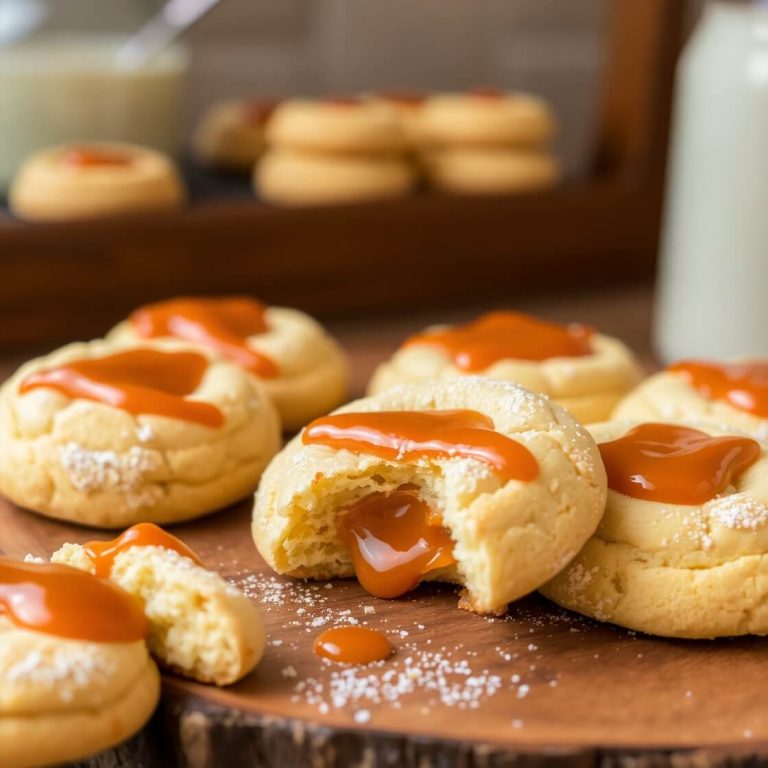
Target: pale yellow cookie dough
{"x": 313, "y": 369}
{"x": 474, "y": 120}
{"x": 668, "y": 395}
{"x": 89, "y": 463}
{"x": 200, "y": 625}
{"x": 509, "y": 537}
{"x": 364, "y": 126}
{"x": 480, "y": 171}
{"x": 588, "y": 386}
{"x": 296, "y": 177}
{"x": 675, "y": 570}
{"x": 63, "y": 700}
{"x": 46, "y": 188}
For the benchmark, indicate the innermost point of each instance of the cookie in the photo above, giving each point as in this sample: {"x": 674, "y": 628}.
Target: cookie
{"x": 89, "y": 181}
{"x": 407, "y": 105}
{"x": 231, "y": 135}
{"x": 200, "y": 626}
{"x": 486, "y": 118}
{"x": 731, "y": 394}
{"x": 76, "y": 678}
{"x": 105, "y": 436}
{"x": 291, "y": 177}
{"x": 481, "y": 171}
{"x": 472, "y": 481}
{"x": 303, "y": 370}
{"x": 682, "y": 550}
{"x": 584, "y": 371}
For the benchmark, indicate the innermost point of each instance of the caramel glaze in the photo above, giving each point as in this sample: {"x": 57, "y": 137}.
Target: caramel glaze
{"x": 140, "y": 381}
{"x": 406, "y": 98}
{"x": 675, "y": 464}
{"x": 103, "y": 553}
{"x": 66, "y": 602}
{"x": 222, "y": 324}
{"x": 90, "y": 157}
{"x": 352, "y": 645}
{"x": 742, "y": 385}
{"x": 410, "y": 435}
{"x": 506, "y": 335}
{"x": 395, "y": 540}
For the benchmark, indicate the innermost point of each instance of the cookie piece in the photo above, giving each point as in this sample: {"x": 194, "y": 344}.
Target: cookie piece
{"x": 106, "y": 436}
{"x": 582, "y": 370}
{"x": 200, "y": 625}
{"x": 500, "y": 510}
{"x": 733, "y": 394}
{"x": 303, "y": 370}
{"x": 94, "y": 180}
{"x": 295, "y": 177}
{"x": 686, "y": 555}
{"x": 231, "y": 135}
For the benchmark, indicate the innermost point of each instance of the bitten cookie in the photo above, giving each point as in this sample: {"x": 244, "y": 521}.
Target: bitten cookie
{"x": 333, "y": 150}
{"x": 682, "y": 550}
{"x": 731, "y": 394}
{"x": 200, "y": 625}
{"x": 76, "y": 678}
{"x": 106, "y": 436}
{"x": 88, "y": 181}
{"x": 584, "y": 371}
{"x": 303, "y": 370}
{"x": 472, "y": 481}
{"x": 231, "y": 134}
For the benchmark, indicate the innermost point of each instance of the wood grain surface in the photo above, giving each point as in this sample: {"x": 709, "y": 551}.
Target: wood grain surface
{"x": 548, "y": 686}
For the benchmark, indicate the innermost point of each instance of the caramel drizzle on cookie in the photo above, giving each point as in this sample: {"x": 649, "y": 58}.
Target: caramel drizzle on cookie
{"x": 103, "y": 553}
{"x": 395, "y": 540}
{"x": 140, "y": 381}
{"x": 221, "y": 324}
{"x": 411, "y": 435}
{"x": 352, "y": 645}
{"x": 675, "y": 464}
{"x": 92, "y": 157}
{"x": 506, "y": 335}
{"x": 66, "y": 602}
{"x": 743, "y": 386}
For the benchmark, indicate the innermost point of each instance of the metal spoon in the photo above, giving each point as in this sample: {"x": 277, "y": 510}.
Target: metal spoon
{"x": 174, "y": 19}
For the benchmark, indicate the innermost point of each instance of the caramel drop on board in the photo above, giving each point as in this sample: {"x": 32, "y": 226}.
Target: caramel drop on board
{"x": 140, "y": 381}
{"x": 674, "y": 464}
{"x": 103, "y": 553}
{"x": 352, "y": 645}
{"x": 66, "y": 602}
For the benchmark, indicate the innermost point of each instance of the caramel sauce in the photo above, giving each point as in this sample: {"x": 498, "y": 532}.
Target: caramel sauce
{"x": 64, "y": 601}
{"x": 352, "y": 645}
{"x": 140, "y": 381}
{"x": 259, "y": 112}
{"x": 675, "y": 464}
{"x": 506, "y": 335}
{"x": 406, "y": 98}
{"x": 407, "y": 435}
{"x": 103, "y": 553}
{"x": 84, "y": 157}
{"x": 395, "y": 540}
{"x": 222, "y": 324}
{"x": 742, "y": 385}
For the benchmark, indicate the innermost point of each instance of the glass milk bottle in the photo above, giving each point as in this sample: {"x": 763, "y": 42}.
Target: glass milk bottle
{"x": 712, "y": 297}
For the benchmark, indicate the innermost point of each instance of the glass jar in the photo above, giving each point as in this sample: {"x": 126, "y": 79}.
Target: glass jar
{"x": 61, "y": 79}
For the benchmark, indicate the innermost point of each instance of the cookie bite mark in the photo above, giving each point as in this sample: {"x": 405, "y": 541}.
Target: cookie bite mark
{"x": 395, "y": 540}
{"x": 222, "y": 324}
{"x": 140, "y": 381}
{"x": 103, "y": 553}
{"x": 352, "y": 645}
{"x": 411, "y": 435}
{"x": 743, "y": 386}
{"x": 506, "y": 336}
{"x": 63, "y": 601}
{"x": 675, "y": 464}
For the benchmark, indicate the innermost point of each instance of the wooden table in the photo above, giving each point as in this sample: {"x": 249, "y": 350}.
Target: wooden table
{"x": 539, "y": 686}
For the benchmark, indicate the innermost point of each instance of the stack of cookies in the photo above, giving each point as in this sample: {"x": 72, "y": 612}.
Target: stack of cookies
{"x": 487, "y": 141}
{"x": 333, "y": 150}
